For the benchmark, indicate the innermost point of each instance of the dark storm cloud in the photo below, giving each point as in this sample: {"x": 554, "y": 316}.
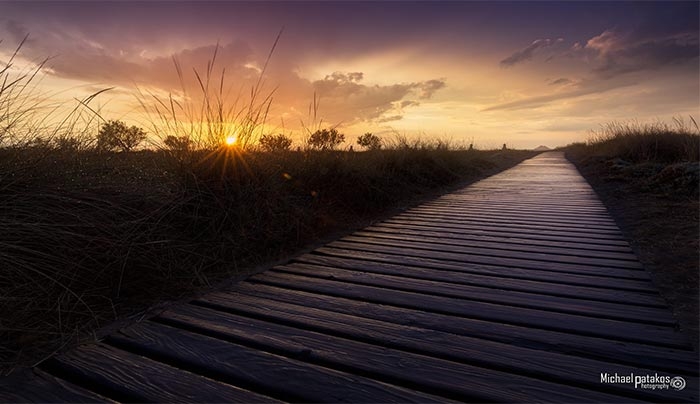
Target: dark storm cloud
{"x": 528, "y": 52}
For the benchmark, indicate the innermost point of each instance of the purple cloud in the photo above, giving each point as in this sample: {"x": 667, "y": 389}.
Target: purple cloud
{"x": 528, "y": 52}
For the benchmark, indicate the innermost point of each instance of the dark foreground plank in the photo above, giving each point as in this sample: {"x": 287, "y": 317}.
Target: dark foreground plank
{"x": 492, "y": 281}
{"x": 505, "y": 260}
{"x": 496, "y": 253}
{"x": 566, "y": 249}
{"x": 258, "y": 370}
{"x": 125, "y": 376}
{"x": 535, "y": 363}
{"x": 633, "y": 354}
{"x": 604, "y": 328}
{"x": 591, "y": 280}
{"x": 508, "y": 236}
{"x": 419, "y": 372}
{"x": 644, "y": 315}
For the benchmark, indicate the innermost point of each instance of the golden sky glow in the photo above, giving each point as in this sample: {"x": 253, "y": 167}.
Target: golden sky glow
{"x": 521, "y": 73}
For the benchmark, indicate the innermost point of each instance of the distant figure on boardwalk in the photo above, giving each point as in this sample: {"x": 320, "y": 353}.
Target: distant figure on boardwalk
{"x": 504, "y": 147}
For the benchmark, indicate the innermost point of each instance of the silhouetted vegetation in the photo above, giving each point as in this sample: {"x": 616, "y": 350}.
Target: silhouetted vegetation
{"x": 178, "y": 143}
{"x": 370, "y": 141}
{"x": 661, "y": 157}
{"x": 656, "y": 142}
{"x": 325, "y": 139}
{"x": 88, "y": 237}
{"x": 116, "y": 135}
{"x": 275, "y": 143}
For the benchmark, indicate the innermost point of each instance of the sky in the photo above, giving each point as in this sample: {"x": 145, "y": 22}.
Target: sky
{"x": 521, "y": 73}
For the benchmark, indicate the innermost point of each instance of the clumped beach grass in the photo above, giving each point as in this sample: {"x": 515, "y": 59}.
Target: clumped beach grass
{"x": 89, "y": 237}
{"x": 657, "y": 142}
{"x": 648, "y": 176}
{"x": 660, "y": 157}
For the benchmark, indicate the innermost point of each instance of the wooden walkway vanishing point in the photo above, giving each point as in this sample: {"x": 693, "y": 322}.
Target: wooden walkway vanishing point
{"x": 518, "y": 288}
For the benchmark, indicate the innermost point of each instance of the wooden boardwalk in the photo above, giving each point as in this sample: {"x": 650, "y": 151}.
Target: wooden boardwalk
{"x": 518, "y": 288}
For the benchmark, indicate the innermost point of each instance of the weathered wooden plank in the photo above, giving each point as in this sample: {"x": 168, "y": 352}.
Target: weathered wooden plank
{"x": 127, "y": 377}
{"x": 558, "y": 194}
{"x": 523, "y": 219}
{"x": 522, "y": 206}
{"x": 488, "y": 207}
{"x": 503, "y": 238}
{"x": 513, "y": 224}
{"x": 581, "y": 372}
{"x": 511, "y": 198}
{"x": 508, "y": 217}
{"x": 489, "y": 281}
{"x": 492, "y": 270}
{"x": 450, "y": 379}
{"x": 553, "y": 204}
{"x": 492, "y": 209}
{"x": 632, "y": 354}
{"x": 37, "y": 386}
{"x": 605, "y": 328}
{"x": 429, "y": 245}
{"x": 532, "y": 202}
{"x": 551, "y": 235}
{"x": 500, "y": 244}
{"x": 505, "y": 262}
{"x": 258, "y": 370}
{"x": 588, "y": 308}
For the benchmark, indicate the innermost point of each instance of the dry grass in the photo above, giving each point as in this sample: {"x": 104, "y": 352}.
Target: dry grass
{"x": 657, "y": 142}
{"x": 89, "y": 237}
{"x": 649, "y": 176}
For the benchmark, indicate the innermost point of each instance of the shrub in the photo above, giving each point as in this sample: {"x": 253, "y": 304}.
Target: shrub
{"x": 177, "y": 143}
{"x": 326, "y": 139}
{"x": 273, "y": 143}
{"x": 370, "y": 141}
{"x": 115, "y": 135}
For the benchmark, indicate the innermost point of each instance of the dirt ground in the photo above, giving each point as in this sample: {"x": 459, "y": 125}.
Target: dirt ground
{"x": 658, "y": 213}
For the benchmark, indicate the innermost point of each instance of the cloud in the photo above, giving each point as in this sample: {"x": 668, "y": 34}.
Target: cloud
{"x": 584, "y": 88}
{"x": 560, "y": 81}
{"x": 345, "y": 99}
{"x": 390, "y": 118}
{"x": 428, "y": 88}
{"x": 16, "y": 30}
{"x": 614, "y": 53}
{"x": 615, "y": 59}
{"x": 528, "y": 52}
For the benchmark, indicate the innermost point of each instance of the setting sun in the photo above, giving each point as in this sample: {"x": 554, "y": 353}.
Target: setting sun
{"x": 231, "y": 140}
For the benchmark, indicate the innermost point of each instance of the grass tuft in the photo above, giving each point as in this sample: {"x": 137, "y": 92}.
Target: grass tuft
{"x": 655, "y": 142}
